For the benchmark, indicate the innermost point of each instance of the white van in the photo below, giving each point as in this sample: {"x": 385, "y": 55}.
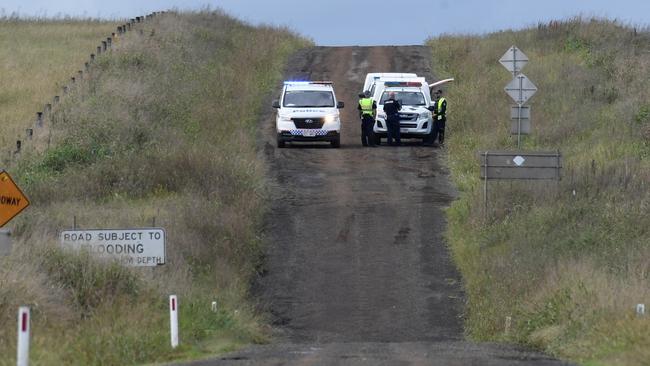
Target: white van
{"x": 373, "y": 76}
{"x": 308, "y": 111}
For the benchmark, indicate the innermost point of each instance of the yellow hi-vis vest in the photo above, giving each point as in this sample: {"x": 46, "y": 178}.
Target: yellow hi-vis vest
{"x": 366, "y": 106}
{"x": 440, "y": 101}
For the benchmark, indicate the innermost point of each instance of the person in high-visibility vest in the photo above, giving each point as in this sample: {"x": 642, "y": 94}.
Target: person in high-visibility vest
{"x": 367, "y": 111}
{"x": 439, "y": 119}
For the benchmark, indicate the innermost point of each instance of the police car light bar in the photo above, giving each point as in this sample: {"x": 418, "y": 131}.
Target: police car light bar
{"x": 307, "y": 82}
{"x": 390, "y": 84}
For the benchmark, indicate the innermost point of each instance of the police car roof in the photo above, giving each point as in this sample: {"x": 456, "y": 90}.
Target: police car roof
{"x": 402, "y": 88}
{"x": 308, "y": 85}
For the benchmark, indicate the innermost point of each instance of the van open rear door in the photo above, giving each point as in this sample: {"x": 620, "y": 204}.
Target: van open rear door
{"x": 441, "y": 82}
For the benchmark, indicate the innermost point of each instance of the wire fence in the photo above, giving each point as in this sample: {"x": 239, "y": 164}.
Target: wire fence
{"x": 43, "y": 117}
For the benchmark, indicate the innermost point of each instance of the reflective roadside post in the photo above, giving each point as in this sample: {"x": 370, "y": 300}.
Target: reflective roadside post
{"x": 173, "y": 319}
{"x": 22, "y": 357}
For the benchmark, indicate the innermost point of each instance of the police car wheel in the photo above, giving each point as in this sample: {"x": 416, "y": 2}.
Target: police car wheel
{"x": 336, "y": 142}
{"x": 377, "y": 140}
{"x": 281, "y": 143}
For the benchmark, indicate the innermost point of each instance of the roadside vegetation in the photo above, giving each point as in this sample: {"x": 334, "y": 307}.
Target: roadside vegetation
{"x": 566, "y": 261}
{"x": 38, "y": 57}
{"x": 163, "y": 128}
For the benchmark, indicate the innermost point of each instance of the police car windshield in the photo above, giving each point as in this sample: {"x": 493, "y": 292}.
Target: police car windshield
{"x": 308, "y": 98}
{"x": 405, "y": 98}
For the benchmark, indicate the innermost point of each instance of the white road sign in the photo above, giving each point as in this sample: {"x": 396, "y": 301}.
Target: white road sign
{"x": 516, "y": 112}
{"x": 520, "y": 118}
{"x": 514, "y": 60}
{"x": 520, "y": 127}
{"x": 132, "y": 247}
{"x": 518, "y": 160}
{"x": 520, "y": 89}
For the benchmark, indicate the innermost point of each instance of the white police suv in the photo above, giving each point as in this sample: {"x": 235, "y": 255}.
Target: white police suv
{"x": 308, "y": 111}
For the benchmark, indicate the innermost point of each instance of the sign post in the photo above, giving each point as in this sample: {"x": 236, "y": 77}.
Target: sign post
{"x": 520, "y": 89}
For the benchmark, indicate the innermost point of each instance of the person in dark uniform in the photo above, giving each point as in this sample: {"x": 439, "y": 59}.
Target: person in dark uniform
{"x": 439, "y": 119}
{"x": 392, "y": 108}
{"x": 367, "y": 111}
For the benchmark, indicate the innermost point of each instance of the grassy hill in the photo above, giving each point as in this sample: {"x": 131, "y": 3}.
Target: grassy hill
{"x": 37, "y": 57}
{"x": 163, "y": 126}
{"x": 567, "y": 262}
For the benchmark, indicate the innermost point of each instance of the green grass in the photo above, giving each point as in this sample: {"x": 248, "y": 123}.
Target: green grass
{"x": 164, "y": 126}
{"x": 567, "y": 261}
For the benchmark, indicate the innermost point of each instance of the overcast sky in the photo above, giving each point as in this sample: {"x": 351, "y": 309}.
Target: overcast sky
{"x": 352, "y": 22}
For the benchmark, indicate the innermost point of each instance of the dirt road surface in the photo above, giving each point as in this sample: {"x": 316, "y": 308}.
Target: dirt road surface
{"x": 357, "y": 270}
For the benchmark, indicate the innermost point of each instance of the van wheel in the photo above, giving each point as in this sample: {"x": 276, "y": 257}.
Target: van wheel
{"x": 336, "y": 142}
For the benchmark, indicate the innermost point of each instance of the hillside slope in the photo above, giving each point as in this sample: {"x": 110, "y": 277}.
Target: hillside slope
{"x": 160, "y": 132}
{"x": 567, "y": 262}
{"x": 37, "y": 57}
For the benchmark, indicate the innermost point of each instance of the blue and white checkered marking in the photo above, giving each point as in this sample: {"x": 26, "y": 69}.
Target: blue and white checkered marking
{"x": 300, "y": 132}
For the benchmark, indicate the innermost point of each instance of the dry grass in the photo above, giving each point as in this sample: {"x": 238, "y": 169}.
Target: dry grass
{"x": 163, "y": 126}
{"x": 38, "y": 57}
{"x": 568, "y": 261}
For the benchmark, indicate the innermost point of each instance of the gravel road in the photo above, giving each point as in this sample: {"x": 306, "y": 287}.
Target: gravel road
{"x": 357, "y": 270}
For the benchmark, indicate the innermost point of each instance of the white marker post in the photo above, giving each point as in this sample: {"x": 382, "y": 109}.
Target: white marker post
{"x": 508, "y": 324}
{"x": 173, "y": 319}
{"x": 640, "y": 309}
{"x": 22, "y": 358}
{"x": 214, "y": 306}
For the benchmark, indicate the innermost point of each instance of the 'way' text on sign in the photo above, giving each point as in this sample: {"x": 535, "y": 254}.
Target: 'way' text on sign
{"x": 132, "y": 247}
